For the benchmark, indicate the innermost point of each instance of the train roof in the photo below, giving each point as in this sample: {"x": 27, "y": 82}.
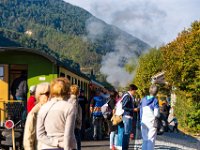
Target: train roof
{"x": 97, "y": 83}
{"x": 47, "y": 56}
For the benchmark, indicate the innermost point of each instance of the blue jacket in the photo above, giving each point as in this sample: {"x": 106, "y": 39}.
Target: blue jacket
{"x": 98, "y": 101}
{"x": 149, "y": 109}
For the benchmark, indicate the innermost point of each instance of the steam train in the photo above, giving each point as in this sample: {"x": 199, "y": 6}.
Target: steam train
{"x": 39, "y": 67}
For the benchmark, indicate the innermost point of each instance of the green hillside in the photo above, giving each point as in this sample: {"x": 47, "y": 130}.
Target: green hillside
{"x": 65, "y": 29}
{"x": 9, "y": 38}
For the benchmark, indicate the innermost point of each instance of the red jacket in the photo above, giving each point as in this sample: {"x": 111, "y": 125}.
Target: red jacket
{"x": 31, "y": 103}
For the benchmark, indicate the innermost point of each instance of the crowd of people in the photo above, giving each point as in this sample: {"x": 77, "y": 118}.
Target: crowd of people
{"x": 58, "y": 115}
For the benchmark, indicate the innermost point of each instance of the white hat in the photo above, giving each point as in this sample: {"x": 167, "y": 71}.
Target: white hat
{"x": 32, "y": 89}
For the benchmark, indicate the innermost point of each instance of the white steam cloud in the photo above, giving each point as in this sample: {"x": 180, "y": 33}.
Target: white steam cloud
{"x": 95, "y": 29}
{"x": 113, "y": 63}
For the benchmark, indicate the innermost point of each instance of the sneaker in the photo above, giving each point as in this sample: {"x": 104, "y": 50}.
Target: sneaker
{"x": 113, "y": 147}
{"x": 118, "y": 147}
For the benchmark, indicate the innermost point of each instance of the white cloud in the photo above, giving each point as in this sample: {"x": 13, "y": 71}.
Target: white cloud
{"x": 153, "y": 21}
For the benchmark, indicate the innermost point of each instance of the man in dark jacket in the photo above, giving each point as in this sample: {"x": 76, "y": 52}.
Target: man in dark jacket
{"x": 125, "y": 128}
{"x": 84, "y": 105}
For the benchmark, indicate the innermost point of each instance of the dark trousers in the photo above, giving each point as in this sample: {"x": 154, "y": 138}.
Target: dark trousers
{"x": 77, "y": 133}
{"x": 175, "y": 127}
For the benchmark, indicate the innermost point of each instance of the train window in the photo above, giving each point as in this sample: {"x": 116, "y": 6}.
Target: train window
{"x": 1, "y": 72}
{"x": 75, "y": 81}
{"x": 69, "y": 77}
{"x": 62, "y": 74}
{"x": 79, "y": 83}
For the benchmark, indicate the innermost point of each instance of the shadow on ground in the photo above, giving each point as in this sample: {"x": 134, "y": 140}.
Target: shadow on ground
{"x": 180, "y": 139}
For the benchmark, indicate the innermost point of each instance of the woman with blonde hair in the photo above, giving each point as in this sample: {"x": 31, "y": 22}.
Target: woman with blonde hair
{"x": 74, "y": 93}
{"x": 56, "y": 119}
{"x": 42, "y": 95}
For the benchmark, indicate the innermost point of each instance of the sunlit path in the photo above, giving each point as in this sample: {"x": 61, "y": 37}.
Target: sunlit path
{"x": 168, "y": 141}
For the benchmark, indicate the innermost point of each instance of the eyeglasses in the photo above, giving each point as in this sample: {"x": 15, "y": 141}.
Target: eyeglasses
{"x": 47, "y": 93}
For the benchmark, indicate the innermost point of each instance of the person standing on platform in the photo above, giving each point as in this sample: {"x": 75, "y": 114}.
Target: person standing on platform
{"x": 82, "y": 100}
{"x": 125, "y": 128}
{"x": 19, "y": 87}
{"x": 97, "y": 117}
{"x": 149, "y": 110}
{"x": 56, "y": 119}
{"x": 31, "y": 100}
{"x": 74, "y": 93}
{"x": 29, "y": 140}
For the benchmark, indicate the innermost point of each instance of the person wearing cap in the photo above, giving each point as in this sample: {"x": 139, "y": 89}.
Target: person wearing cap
{"x": 31, "y": 100}
{"x": 42, "y": 95}
{"x": 149, "y": 110}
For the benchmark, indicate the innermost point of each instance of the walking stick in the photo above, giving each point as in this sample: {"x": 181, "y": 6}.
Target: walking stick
{"x": 13, "y": 138}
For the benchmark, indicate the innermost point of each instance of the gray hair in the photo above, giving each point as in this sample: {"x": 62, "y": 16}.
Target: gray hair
{"x": 41, "y": 88}
{"x": 153, "y": 90}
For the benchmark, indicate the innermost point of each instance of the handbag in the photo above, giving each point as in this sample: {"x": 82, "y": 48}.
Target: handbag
{"x": 116, "y": 119}
{"x": 117, "y": 116}
{"x": 106, "y": 110}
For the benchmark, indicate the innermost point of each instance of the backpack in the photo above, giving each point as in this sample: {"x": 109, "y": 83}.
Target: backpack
{"x": 106, "y": 110}
{"x": 119, "y": 111}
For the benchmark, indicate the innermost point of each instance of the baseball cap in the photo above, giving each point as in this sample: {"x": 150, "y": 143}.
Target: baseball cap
{"x": 32, "y": 89}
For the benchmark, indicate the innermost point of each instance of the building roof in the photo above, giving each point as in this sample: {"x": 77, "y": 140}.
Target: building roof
{"x": 47, "y": 56}
{"x": 158, "y": 78}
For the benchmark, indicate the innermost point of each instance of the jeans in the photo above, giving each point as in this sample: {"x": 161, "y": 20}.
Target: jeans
{"x": 149, "y": 134}
{"x": 97, "y": 122}
{"x": 113, "y": 139}
{"x": 120, "y": 134}
{"x": 127, "y": 130}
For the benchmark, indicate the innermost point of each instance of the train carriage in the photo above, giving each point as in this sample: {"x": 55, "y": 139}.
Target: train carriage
{"x": 38, "y": 66}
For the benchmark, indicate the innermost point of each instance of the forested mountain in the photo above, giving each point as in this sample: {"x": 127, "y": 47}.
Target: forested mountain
{"x": 9, "y": 38}
{"x": 69, "y": 30}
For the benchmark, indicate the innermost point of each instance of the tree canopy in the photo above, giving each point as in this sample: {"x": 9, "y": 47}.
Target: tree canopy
{"x": 149, "y": 64}
{"x": 180, "y": 60}
{"x": 182, "y": 65}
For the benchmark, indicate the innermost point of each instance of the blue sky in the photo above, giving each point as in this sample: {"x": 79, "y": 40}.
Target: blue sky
{"x": 156, "y": 22}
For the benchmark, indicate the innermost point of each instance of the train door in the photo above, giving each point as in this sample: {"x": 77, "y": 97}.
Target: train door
{"x": 4, "y": 84}
{"x": 8, "y": 73}
{"x": 15, "y": 72}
